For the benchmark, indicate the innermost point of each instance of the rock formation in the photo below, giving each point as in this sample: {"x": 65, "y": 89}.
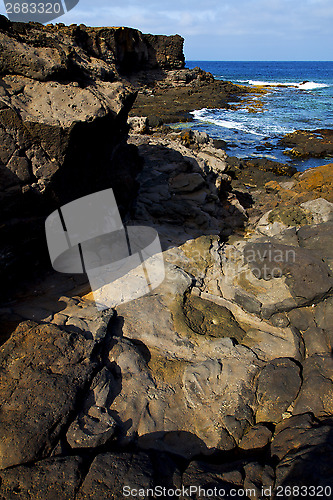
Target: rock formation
{"x": 222, "y": 376}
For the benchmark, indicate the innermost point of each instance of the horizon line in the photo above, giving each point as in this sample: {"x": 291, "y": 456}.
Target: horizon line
{"x": 257, "y": 60}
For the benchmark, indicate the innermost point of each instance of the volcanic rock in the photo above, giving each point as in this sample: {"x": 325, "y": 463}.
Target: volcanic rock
{"x": 40, "y": 360}
{"x": 309, "y": 143}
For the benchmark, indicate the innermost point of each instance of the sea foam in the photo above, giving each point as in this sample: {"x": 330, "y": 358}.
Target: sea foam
{"x": 247, "y": 124}
{"x": 300, "y": 85}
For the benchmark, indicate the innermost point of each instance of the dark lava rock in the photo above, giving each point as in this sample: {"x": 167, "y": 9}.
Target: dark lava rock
{"x": 110, "y": 473}
{"x": 63, "y": 130}
{"x": 309, "y": 143}
{"x": 316, "y": 394}
{"x": 256, "y": 172}
{"x": 43, "y": 371}
{"x": 257, "y": 437}
{"x": 207, "y": 476}
{"x": 278, "y": 386}
{"x": 307, "y": 276}
{"x": 305, "y": 450}
{"x": 50, "y": 479}
{"x": 319, "y": 239}
{"x": 229, "y": 479}
{"x": 171, "y": 100}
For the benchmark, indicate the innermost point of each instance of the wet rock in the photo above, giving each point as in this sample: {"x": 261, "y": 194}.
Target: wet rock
{"x": 39, "y": 360}
{"x": 309, "y": 143}
{"x": 279, "y": 169}
{"x": 278, "y": 385}
{"x": 175, "y": 97}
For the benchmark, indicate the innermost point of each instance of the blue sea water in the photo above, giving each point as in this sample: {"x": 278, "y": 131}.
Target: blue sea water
{"x": 289, "y": 105}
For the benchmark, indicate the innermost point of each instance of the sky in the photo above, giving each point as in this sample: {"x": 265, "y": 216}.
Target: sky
{"x": 243, "y": 30}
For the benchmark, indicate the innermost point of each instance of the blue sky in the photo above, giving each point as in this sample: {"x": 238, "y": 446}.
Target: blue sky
{"x": 224, "y": 30}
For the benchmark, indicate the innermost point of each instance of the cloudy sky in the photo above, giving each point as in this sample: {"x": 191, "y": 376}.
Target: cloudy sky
{"x": 224, "y": 29}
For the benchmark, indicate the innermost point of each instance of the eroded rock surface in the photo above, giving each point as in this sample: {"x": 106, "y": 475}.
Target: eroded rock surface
{"x": 220, "y": 377}
{"x": 309, "y": 143}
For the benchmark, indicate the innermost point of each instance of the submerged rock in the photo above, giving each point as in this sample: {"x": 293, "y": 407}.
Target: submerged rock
{"x": 309, "y": 143}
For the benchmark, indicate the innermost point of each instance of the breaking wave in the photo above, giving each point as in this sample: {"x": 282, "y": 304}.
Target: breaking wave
{"x": 247, "y": 125}
{"x": 305, "y": 85}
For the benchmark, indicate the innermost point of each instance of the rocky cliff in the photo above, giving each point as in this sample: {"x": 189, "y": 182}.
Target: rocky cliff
{"x": 63, "y": 114}
{"x": 222, "y": 376}
{"x": 74, "y": 52}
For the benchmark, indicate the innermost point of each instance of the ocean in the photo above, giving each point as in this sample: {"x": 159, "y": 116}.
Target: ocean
{"x": 303, "y": 99}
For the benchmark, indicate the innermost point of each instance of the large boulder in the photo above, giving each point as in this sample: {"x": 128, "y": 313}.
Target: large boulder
{"x": 278, "y": 386}
{"x": 303, "y": 448}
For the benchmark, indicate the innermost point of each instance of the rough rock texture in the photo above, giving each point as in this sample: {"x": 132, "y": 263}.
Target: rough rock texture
{"x": 63, "y": 133}
{"x": 227, "y": 360}
{"x": 49, "y": 479}
{"x": 109, "y": 473}
{"x": 57, "y": 51}
{"x": 184, "y": 192}
{"x": 174, "y": 376}
{"x": 309, "y": 143}
{"x": 172, "y": 99}
{"x": 222, "y": 376}
{"x": 35, "y": 361}
{"x": 274, "y": 399}
{"x": 304, "y": 449}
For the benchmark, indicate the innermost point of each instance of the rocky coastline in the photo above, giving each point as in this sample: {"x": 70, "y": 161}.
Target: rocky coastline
{"x": 222, "y": 377}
